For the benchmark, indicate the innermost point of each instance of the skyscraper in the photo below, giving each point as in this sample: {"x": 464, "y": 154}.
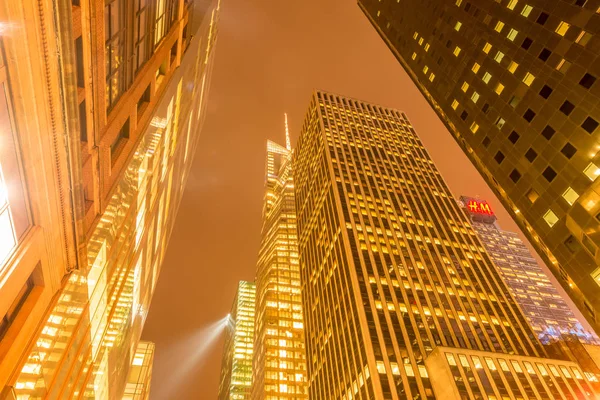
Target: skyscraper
{"x": 400, "y": 298}
{"x": 543, "y": 306}
{"x": 514, "y": 81}
{"x": 279, "y": 367}
{"x": 101, "y": 105}
{"x": 236, "y": 367}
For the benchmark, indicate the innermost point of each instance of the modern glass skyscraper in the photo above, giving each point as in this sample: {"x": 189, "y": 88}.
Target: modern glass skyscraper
{"x": 140, "y": 373}
{"x": 279, "y": 368}
{"x": 515, "y": 82}
{"x": 543, "y": 306}
{"x": 101, "y": 105}
{"x": 400, "y": 298}
{"x": 236, "y": 368}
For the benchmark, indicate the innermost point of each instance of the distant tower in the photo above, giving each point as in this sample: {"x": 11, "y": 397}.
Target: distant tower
{"x": 545, "y": 310}
{"x": 279, "y": 368}
{"x": 236, "y": 367}
{"x": 400, "y": 299}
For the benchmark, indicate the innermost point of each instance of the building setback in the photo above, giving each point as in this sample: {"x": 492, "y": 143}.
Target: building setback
{"x": 102, "y": 105}
{"x": 400, "y": 298}
{"x": 236, "y": 367}
{"x": 279, "y": 367}
{"x": 543, "y": 306}
{"x": 515, "y": 82}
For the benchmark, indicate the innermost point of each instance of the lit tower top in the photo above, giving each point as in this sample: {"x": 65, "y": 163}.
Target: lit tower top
{"x": 288, "y": 143}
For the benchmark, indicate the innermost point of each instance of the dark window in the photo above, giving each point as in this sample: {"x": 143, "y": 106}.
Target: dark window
{"x": 572, "y": 244}
{"x": 529, "y": 115}
{"x": 527, "y": 42}
{"x": 143, "y": 102}
{"x": 580, "y": 3}
{"x": 590, "y": 125}
{"x": 499, "y": 157}
{"x": 485, "y": 108}
{"x": 114, "y": 34}
{"x": 514, "y": 101}
{"x": 15, "y": 307}
{"x": 567, "y": 107}
{"x": 549, "y": 174}
{"x": 141, "y": 36}
{"x": 513, "y": 137}
{"x": 543, "y": 17}
{"x": 530, "y": 155}
{"x": 449, "y": 43}
{"x": 544, "y": 54}
{"x": 548, "y": 132}
{"x": 119, "y": 141}
{"x": 467, "y": 7}
{"x": 515, "y": 176}
{"x": 587, "y": 81}
{"x": 546, "y": 91}
{"x": 568, "y": 150}
{"x": 79, "y": 60}
{"x": 82, "y": 122}
{"x": 486, "y": 142}
{"x": 464, "y": 115}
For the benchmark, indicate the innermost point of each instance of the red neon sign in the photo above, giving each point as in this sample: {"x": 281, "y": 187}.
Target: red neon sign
{"x": 479, "y": 207}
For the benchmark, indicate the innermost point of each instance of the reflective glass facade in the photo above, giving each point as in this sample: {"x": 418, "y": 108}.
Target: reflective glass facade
{"x": 236, "y": 367}
{"x": 545, "y": 310}
{"x": 80, "y": 317}
{"x": 391, "y": 267}
{"x": 279, "y": 367}
{"x": 516, "y": 84}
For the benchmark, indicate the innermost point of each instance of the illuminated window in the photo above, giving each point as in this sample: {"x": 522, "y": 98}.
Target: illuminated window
{"x": 499, "y": 88}
{"x": 415, "y": 36}
{"x": 526, "y": 10}
{"x": 457, "y": 26}
{"x": 486, "y": 48}
{"x": 563, "y": 65}
{"x": 420, "y": 41}
{"x": 570, "y": 196}
{"x": 475, "y": 97}
{"x": 512, "y": 34}
{"x": 512, "y": 67}
{"x": 432, "y": 77}
{"x": 592, "y": 171}
{"x": 511, "y": 4}
{"x": 583, "y": 38}
{"x": 528, "y": 79}
{"x": 456, "y": 51}
{"x": 532, "y": 195}
{"x": 550, "y": 218}
{"x": 464, "y": 87}
{"x": 458, "y": 2}
{"x": 486, "y": 77}
{"x": 414, "y": 56}
{"x": 425, "y": 69}
{"x": 427, "y": 47}
{"x": 596, "y": 276}
{"x": 474, "y": 127}
{"x": 455, "y": 104}
{"x": 475, "y": 67}
{"x": 562, "y": 28}
{"x": 499, "y": 26}
{"x": 499, "y": 56}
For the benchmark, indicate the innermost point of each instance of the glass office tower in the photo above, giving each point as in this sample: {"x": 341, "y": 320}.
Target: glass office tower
{"x": 279, "y": 367}
{"x": 400, "y": 298}
{"x": 543, "y": 306}
{"x": 102, "y": 105}
{"x": 236, "y": 367}
{"x": 140, "y": 373}
{"x": 515, "y": 82}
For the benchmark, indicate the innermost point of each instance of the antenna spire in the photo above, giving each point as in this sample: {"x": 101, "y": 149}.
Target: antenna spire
{"x": 288, "y": 144}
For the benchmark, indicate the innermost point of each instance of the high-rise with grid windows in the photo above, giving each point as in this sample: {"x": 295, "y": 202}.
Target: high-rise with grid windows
{"x": 546, "y": 311}
{"x": 279, "y": 367}
{"x": 400, "y": 298}
{"x": 236, "y": 367}
{"x": 516, "y": 84}
{"x": 101, "y": 107}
